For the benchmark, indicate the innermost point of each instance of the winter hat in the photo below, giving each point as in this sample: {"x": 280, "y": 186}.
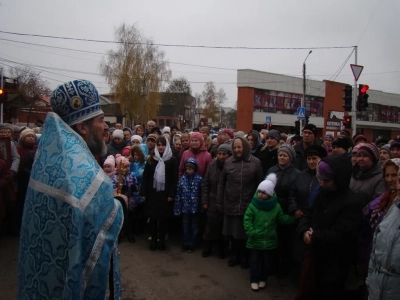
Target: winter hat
{"x": 227, "y": 148}
{"x": 197, "y": 136}
{"x": 111, "y": 130}
{"x": 275, "y": 134}
{"x": 76, "y": 101}
{"x": 357, "y": 147}
{"x": 119, "y": 158}
{"x": 385, "y": 148}
{"x": 126, "y": 151}
{"x": 268, "y": 185}
{"x": 316, "y": 150}
{"x": 3, "y": 126}
{"x": 324, "y": 171}
{"x": 370, "y": 150}
{"x": 345, "y": 133}
{"x": 342, "y": 142}
{"x": 289, "y": 150}
{"x": 206, "y": 129}
{"x": 240, "y": 134}
{"x": 25, "y": 132}
{"x": 191, "y": 163}
{"x": 329, "y": 137}
{"x": 137, "y": 137}
{"x": 110, "y": 160}
{"x": 229, "y": 132}
{"x": 118, "y": 133}
{"x": 395, "y": 143}
{"x": 312, "y": 128}
{"x": 166, "y": 129}
{"x": 152, "y": 137}
{"x": 359, "y": 138}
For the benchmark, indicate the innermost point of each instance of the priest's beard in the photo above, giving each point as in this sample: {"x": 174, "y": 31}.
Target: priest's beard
{"x": 96, "y": 144}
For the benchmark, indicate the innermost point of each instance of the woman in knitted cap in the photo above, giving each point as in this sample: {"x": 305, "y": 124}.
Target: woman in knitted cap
{"x": 384, "y": 153}
{"x": 117, "y": 143}
{"x": 198, "y": 151}
{"x": 215, "y": 220}
{"x": 239, "y": 180}
{"x": 27, "y": 142}
{"x": 328, "y": 143}
{"x": 367, "y": 181}
{"x": 330, "y": 228}
{"x": 354, "y": 151}
{"x": 136, "y": 139}
{"x": 286, "y": 192}
{"x": 260, "y": 222}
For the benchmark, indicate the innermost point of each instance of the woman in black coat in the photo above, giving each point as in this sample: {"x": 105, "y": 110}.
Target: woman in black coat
{"x": 160, "y": 178}
{"x": 285, "y": 190}
{"x": 331, "y": 227}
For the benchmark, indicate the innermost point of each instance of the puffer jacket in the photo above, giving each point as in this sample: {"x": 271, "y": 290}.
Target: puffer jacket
{"x": 238, "y": 182}
{"x": 188, "y": 193}
{"x": 285, "y": 188}
{"x": 260, "y": 223}
{"x": 384, "y": 266}
{"x": 202, "y": 156}
{"x": 368, "y": 185}
{"x": 210, "y": 187}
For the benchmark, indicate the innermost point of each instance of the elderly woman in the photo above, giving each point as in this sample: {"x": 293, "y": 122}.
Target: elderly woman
{"x": 285, "y": 190}
{"x": 384, "y": 153}
{"x": 237, "y": 184}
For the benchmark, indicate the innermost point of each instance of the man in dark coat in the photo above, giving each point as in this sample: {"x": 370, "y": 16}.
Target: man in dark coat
{"x": 330, "y": 227}
{"x": 309, "y": 138}
{"x": 269, "y": 153}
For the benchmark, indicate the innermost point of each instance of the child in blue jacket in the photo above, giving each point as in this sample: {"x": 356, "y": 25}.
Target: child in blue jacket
{"x": 188, "y": 202}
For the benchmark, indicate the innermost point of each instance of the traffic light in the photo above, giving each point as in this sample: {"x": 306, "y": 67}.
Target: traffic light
{"x": 362, "y": 98}
{"x": 348, "y": 97}
{"x": 269, "y": 126}
{"x": 347, "y": 122}
{"x": 3, "y": 95}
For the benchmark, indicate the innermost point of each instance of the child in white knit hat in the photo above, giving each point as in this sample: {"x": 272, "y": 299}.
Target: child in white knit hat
{"x": 260, "y": 223}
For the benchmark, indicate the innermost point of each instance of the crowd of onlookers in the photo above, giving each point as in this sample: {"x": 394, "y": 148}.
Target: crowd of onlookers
{"x": 325, "y": 211}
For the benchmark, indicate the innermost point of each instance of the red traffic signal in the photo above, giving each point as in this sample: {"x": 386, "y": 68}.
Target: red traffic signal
{"x": 347, "y": 121}
{"x": 364, "y": 89}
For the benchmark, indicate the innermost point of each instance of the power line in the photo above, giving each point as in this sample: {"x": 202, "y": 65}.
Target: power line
{"x": 365, "y": 29}
{"x": 175, "y": 45}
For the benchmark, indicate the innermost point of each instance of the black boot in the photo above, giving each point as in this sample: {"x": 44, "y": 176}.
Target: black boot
{"x": 207, "y": 249}
{"x": 235, "y": 258}
{"x": 221, "y": 250}
{"x": 162, "y": 231}
{"x": 244, "y": 257}
{"x": 154, "y": 235}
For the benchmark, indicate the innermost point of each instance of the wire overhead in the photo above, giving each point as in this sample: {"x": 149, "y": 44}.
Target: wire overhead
{"x": 175, "y": 45}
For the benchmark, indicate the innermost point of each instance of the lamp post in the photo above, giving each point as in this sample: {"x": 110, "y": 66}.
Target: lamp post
{"x": 304, "y": 91}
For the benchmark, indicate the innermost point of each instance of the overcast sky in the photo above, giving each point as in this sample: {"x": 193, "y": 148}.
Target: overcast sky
{"x": 373, "y": 25}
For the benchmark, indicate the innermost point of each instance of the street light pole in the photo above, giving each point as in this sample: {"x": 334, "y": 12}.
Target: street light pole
{"x": 304, "y": 91}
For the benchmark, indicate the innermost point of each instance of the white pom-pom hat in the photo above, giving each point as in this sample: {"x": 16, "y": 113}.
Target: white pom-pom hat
{"x": 268, "y": 185}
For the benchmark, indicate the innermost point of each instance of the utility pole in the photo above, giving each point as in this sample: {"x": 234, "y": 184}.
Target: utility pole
{"x": 354, "y": 104}
{"x": 304, "y": 92}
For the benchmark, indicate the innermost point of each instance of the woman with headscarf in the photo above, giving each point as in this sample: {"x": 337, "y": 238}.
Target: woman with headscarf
{"x": 285, "y": 190}
{"x": 384, "y": 153}
{"x": 215, "y": 220}
{"x": 237, "y": 184}
{"x": 253, "y": 137}
{"x": 158, "y": 189}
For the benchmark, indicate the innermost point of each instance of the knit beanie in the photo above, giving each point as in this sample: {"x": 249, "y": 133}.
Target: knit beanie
{"x": 312, "y": 128}
{"x": 118, "y": 133}
{"x": 206, "y": 129}
{"x": 342, "y": 142}
{"x": 275, "y": 134}
{"x": 137, "y": 137}
{"x": 227, "y": 148}
{"x": 386, "y": 148}
{"x": 25, "y": 132}
{"x": 316, "y": 150}
{"x": 166, "y": 129}
{"x": 229, "y": 132}
{"x": 197, "y": 136}
{"x": 110, "y": 160}
{"x": 119, "y": 158}
{"x": 370, "y": 150}
{"x": 152, "y": 137}
{"x": 329, "y": 137}
{"x": 268, "y": 185}
{"x": 395, "y": 143}
{"x": 359, "y": 138}
{"x": 324, "y": 171}
{"x": 289, "y": 150}
{"x": 191, "y": 165}
{"x": 126, "y": 151}
{"x": 240, "y": 134}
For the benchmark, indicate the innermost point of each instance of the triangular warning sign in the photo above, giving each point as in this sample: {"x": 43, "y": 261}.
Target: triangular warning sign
{"x": 301, "y": 114}
{"x": 356, "y": 69}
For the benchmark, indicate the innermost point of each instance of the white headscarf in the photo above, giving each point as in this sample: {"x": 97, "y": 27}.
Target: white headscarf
{"x": 159, "y": 174}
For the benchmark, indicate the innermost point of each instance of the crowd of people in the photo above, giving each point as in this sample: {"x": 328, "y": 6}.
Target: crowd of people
{"x": 320, "y": 210}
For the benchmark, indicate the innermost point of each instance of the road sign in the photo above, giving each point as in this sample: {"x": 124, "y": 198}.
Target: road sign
{"x": 268, "y": 120}
{"x": 356, "y": 69}
{"x": 301, "y": 113}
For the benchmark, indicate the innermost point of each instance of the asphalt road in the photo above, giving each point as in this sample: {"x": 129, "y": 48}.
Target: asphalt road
{"x": 165, "y": 275}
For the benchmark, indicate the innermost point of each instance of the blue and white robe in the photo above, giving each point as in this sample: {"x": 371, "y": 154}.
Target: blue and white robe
{"x": 71, "y": 222}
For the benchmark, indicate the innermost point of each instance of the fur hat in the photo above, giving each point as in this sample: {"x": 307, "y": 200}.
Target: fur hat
{"x": 137, "y": 137}
{"x": 76, "y": 101}
{"x": 312, "y": 128}
{"x": 118, "y": 133}
{"x": 268, "y": 185}
{"x": 197, "y": 136}
{"x": 289, "y": 150}
{"x": 275, "y": 134}
{"x": 370, "y": 150}
{"x": 25, "y": 132}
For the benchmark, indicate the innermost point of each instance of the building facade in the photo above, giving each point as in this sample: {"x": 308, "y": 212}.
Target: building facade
{"x": 262, "y": 94}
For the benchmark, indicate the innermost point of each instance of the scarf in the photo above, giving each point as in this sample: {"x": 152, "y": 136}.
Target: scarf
{"x": 159, "y": 174}
{"x": 264, "y": 204}
{"x": 382, "y": 208}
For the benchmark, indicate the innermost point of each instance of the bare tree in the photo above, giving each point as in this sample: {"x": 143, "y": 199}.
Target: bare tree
{"x": 178, "y": 93}
{"x": 136, "y": 72}
{"x": 210, "y": 105}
